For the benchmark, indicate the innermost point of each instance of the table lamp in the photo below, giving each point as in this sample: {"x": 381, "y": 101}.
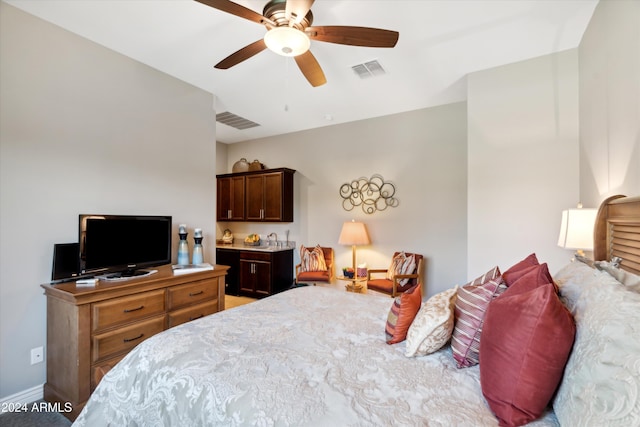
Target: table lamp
{"x": 576, "y": 230}
{"x": 354, "y": 233}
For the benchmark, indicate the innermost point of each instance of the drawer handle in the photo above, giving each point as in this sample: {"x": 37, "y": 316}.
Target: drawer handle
{"x": 193, "y": 294}
{"x": 196, "y": 317}
{"x": 129, "y": 310}
{"x": 133, "y": 339}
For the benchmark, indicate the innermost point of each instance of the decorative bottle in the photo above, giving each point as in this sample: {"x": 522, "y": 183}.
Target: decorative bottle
{"x": 198, "y": 257}
{"x": 183, "y": 246}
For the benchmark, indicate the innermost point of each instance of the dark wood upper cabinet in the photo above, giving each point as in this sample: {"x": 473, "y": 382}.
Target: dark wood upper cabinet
{"x": 267, "y": 195}
{"x": 230, "y": 199}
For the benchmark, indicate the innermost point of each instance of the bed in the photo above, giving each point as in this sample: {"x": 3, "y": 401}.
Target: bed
{"x": 315, "y": 356}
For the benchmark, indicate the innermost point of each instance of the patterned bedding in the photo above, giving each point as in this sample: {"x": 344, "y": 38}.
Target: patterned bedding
{"x": 310, "y": 356}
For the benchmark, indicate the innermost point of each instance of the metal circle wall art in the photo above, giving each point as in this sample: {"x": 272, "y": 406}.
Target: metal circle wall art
{"x": 373, "y": 194}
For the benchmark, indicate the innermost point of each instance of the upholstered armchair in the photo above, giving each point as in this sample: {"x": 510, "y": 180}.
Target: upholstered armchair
{"x": 401, "y": 275}
{"x": 309, "y": 272}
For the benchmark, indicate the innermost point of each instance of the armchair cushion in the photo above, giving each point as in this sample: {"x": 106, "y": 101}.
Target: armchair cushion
{"x": 312, "y": 259}
{"x": 314, "y": 276}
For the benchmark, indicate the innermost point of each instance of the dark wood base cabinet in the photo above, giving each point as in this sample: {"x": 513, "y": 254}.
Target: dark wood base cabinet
{"x": 90, "y": 329}
{"x": 265, "y": 273}
{"x": 256, "y": 274}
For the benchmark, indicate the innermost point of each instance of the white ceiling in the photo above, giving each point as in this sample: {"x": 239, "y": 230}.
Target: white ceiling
{"x": 440, "y": 43}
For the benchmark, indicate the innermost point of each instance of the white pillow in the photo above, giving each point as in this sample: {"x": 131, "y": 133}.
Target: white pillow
{"x": 630, "y": 280}
{"x": 433, "y": 325}
{"x": 601, "y": 383}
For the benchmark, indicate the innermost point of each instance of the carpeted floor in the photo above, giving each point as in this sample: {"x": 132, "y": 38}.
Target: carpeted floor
{"x": 33, "y": 418}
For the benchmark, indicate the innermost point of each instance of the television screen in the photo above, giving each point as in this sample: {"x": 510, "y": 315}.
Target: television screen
{"x": 116, "y": 243}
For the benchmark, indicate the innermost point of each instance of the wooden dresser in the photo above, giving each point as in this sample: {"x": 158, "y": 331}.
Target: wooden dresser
{"x": 91, "y": 328}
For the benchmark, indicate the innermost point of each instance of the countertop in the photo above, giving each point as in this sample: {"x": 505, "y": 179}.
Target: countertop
{"x": 261, "y": 248}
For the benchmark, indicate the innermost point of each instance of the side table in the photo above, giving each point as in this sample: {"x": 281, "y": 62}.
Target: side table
{"x": 355, "y": 284}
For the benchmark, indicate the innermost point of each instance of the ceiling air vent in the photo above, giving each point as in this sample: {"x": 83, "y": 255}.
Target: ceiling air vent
{"x": 235, "y": 121}
{"x": 368, "y": 69}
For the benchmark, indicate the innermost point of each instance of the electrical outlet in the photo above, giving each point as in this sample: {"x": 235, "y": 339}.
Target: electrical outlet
{"x": 37, "y": 355}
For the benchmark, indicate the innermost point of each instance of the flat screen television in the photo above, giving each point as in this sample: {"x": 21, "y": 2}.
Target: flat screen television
{"x": 123, "y": 244}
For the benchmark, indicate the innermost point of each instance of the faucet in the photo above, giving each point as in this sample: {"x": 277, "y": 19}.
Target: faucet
{"x": 269, "y": 236}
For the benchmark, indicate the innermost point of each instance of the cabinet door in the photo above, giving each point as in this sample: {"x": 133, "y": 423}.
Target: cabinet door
{"x": 262, "y": 276}
{"x": 272, "y": 205}
{"x": 246, "y": 284}
{"x": 230, "y": 198}
{"x": 255, "y": 197}
{"x": 255, "y": 278}
{"x": 230, "y": 257}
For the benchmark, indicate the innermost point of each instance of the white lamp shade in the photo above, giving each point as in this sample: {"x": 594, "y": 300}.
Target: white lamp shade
{"x": 576, "y": 230}
{"x": 287, "y": 41}
{"x": 354, "y": 233}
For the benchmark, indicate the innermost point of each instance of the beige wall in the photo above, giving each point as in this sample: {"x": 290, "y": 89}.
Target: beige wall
{"x": 610, "y": 102}
{"x": 422, "y": 152}
{"x": 84, "y": 130}
{"x": 523, "y": 160}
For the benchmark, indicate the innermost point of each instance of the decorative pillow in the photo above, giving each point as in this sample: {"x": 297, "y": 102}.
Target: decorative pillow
{"x": 403, "y": 310}
{"x": 526, "y": 340}
{"x": 433, "y": 325}
{"x": 401, "y": 264}
{"x": 470, "y": 307}
{"x": 520, "y": 268}
{"x": 312, "y": 259}
{"x": 601, "y": 378}
{"x": 628, "y": 279}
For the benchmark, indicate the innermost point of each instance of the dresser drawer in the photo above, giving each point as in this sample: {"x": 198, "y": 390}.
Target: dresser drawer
{"x": 123, "y": 339}
{"x": 191, "y": 293}
{"x": 100, "y": 370}
{"x": 192, "y": 313}
{"x": 118, "y": 311}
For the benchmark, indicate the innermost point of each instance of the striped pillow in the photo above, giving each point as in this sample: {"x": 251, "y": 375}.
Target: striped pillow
{"x": 401, "y": 315}
{"x": 471, "y": 305}
{"x": 402, "y": 264}
{"x": 312, "y": 259}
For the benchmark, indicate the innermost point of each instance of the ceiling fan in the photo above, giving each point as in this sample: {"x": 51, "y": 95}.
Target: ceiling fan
{"x": 289, "y": 33}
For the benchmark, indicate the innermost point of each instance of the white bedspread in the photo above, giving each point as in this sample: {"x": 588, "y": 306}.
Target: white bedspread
{"x": 310, "y": 356}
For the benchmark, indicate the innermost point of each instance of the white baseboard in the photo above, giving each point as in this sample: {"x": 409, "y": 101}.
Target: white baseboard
{"x": 26, "y": 396}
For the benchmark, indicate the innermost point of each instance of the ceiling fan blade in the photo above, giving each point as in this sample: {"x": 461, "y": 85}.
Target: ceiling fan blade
{"x": 296, "y": 10}
{"x": 311, "y": 69}
{"x": 237, "y": 10}
{"x": 239, "y": 56}
{"x": 354, "y": 36}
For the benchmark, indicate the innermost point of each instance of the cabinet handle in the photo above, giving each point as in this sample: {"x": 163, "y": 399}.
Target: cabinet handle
{"x": 193, "y": 294}
{"x": 129, "y": 310}
{"x": 261, "y": 213}
{"x": 133, "y": 339}
{"x": 229, "y": 214}
{"x": 196, "y": 317}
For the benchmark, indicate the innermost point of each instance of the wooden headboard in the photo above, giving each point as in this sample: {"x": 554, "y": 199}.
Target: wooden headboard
{"x": 617, "y": 232}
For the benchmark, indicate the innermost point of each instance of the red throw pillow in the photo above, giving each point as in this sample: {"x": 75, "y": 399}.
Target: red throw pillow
{"x": 526, "y": 340}
{"x": 520, "y": 268}
{"x": 403, "y": 311}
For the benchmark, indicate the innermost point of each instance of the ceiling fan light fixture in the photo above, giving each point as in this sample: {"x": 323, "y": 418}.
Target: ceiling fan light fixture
{"x": 287, "y": 41}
